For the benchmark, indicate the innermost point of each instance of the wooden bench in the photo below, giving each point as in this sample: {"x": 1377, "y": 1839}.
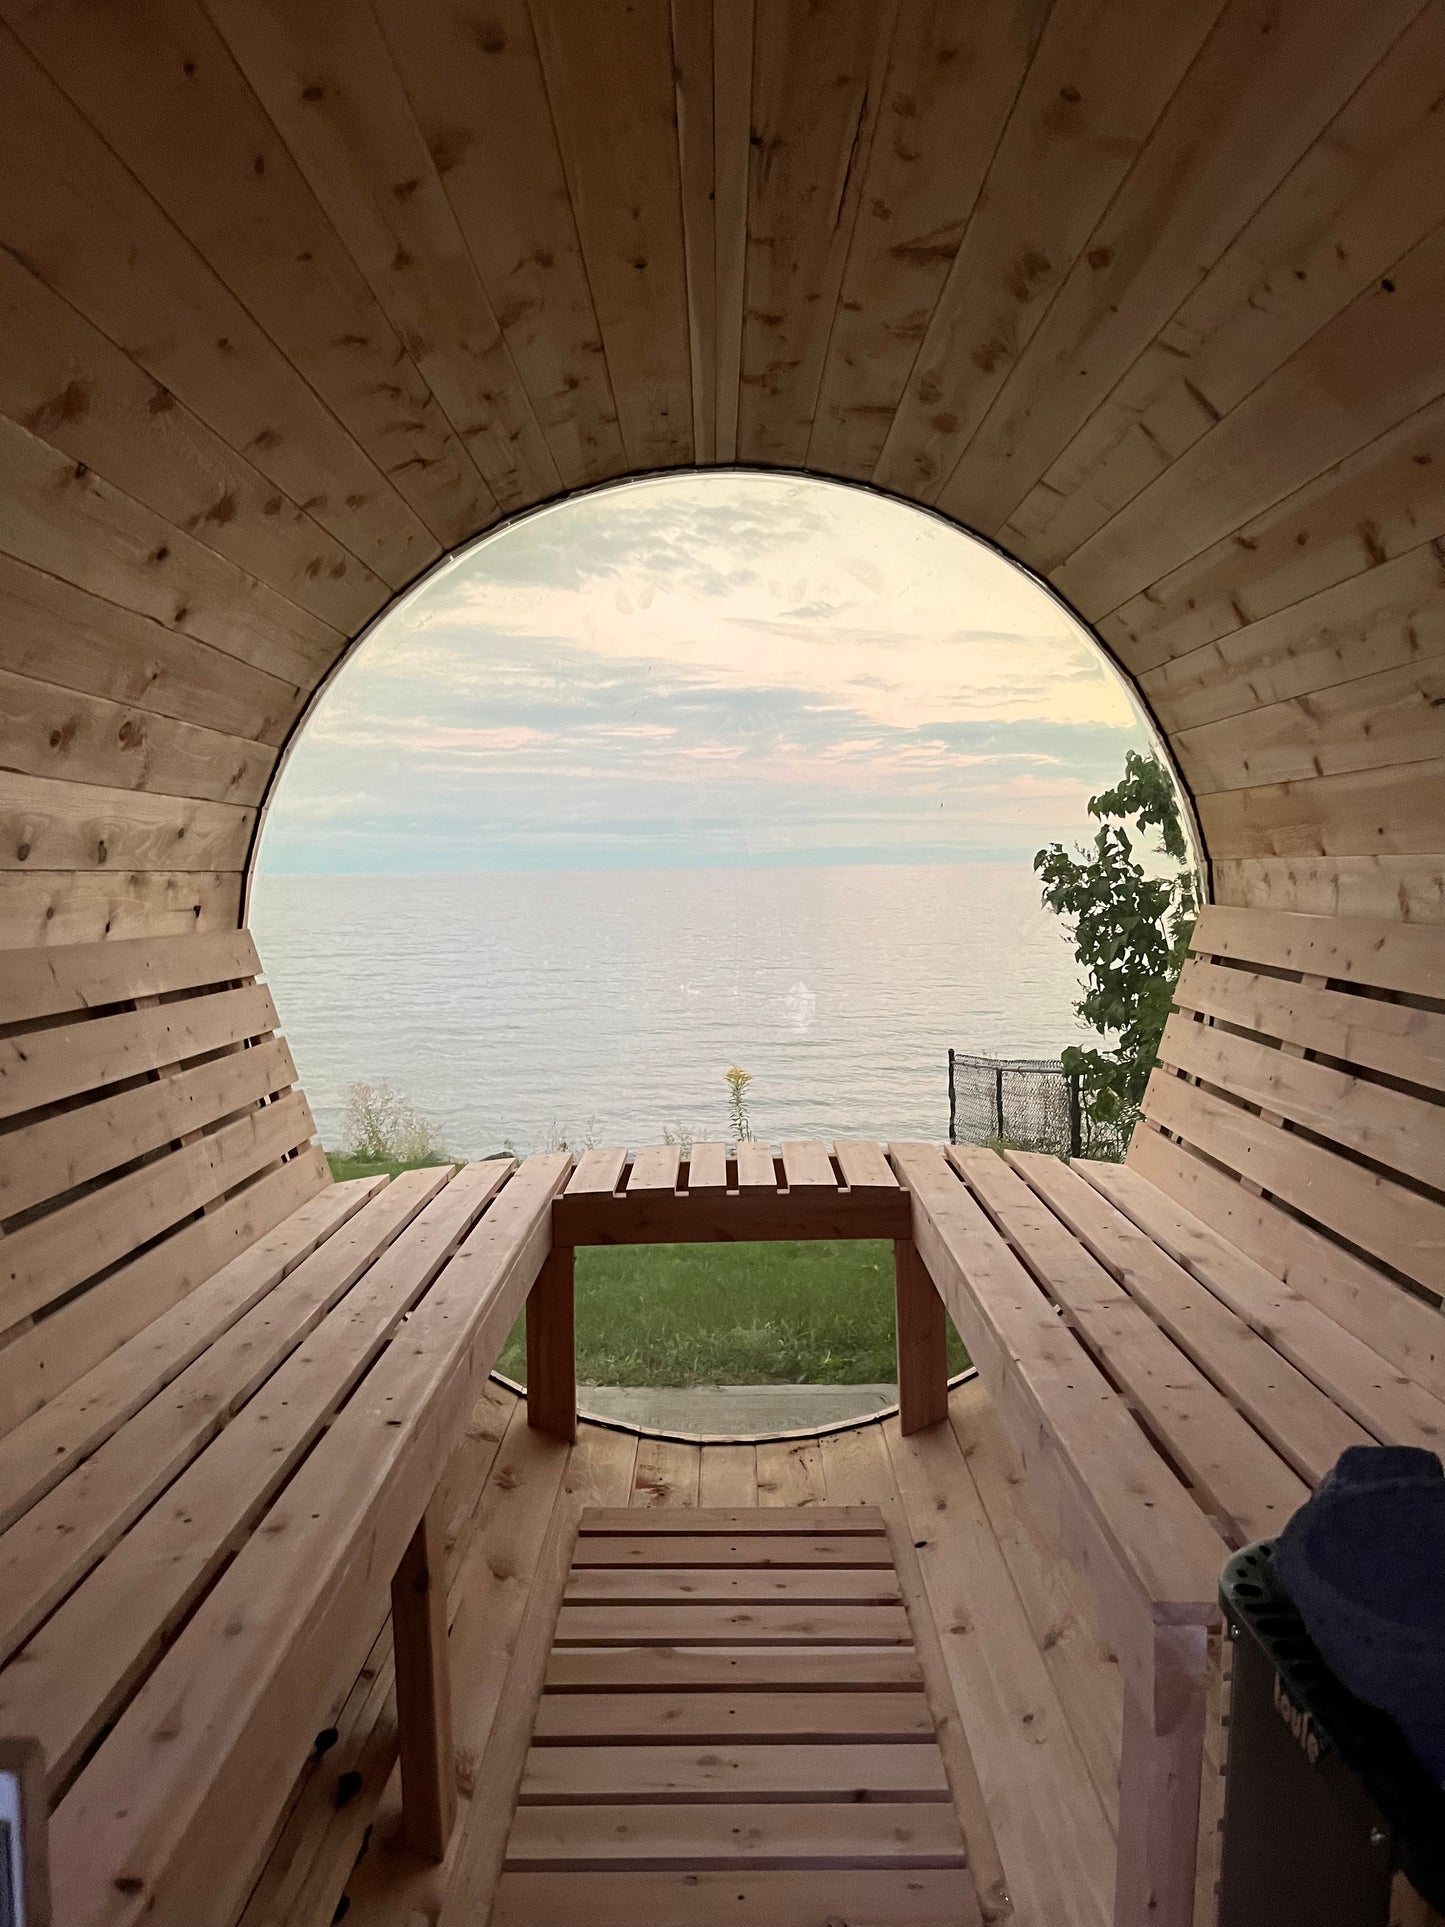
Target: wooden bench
{"x": 710, "y": 1194}
{"x": 224, "y": 1474}
{"x": 1181, "y": 1346}
{"x": 721, "y": 1194}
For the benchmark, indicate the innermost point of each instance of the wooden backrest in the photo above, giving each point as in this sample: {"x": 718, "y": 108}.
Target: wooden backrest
{"x": 1299, "y": 1107}
{"x": 150, "y": 1129}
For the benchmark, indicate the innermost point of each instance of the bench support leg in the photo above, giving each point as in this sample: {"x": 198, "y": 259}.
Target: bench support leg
{"x": 552, "y": 1347}
{"x": 1159, "y": 1782}
{"x": 423, "y": 1690}
{"x": 922, "y": 1341}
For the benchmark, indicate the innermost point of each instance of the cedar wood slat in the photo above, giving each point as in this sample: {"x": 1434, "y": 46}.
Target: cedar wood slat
{"x": 717, "y": 1585}
{"x": 685, "y": 1839}
{"x": 656, "y": 1168}
{"x": 598, "y": 1171}
{"x": 756, "y": 1165}
{"x": 811, "y": 1718}
{"x": 680, "y": 1668}
{"x": 837, "y": 1521}
{"x": 561, "y": 1775}
{"x": 807, "y": 1164}
{"x": 917, "y": 1897}
{"x": 707, "y": 1167}
{"x": 621, "y": 1553}
{"x": 768, "y": 1625}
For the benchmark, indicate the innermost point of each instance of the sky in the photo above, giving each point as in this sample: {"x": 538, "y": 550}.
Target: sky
{"x": 700, "y": 670}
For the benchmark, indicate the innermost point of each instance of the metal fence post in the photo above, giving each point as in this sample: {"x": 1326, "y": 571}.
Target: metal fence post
{"x": 952, "y": 1100}
{"x": 998, "y": 1099}
{"x": 1076, "y": 1123}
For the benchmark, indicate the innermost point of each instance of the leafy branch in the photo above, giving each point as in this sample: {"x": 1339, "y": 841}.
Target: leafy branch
{"x": 1131, "y": 931}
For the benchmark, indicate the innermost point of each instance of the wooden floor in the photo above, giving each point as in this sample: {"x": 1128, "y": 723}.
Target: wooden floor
{"x": 733, "y": 1719}
{"x": 1022, "y": 1700}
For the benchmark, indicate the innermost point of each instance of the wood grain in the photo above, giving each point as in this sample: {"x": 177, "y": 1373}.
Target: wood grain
{"x": 297, "y": 305}
{"x": 913, "y": 1898}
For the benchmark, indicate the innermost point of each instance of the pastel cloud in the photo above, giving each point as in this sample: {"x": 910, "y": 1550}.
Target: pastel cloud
{"x": 702, "y": 669}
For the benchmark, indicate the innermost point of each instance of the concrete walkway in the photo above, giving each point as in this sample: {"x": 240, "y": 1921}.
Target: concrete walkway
{"x": 741, "y": 1409}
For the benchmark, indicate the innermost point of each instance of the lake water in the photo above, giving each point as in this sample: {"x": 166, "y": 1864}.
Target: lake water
{"x": 606, "y": 1006}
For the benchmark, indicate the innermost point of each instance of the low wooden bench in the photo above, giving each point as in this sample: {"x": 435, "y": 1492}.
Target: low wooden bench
{"x": 1181, "y": 1346}
{"x": 708, "y": 1194}
{"x": 722, "y": 1193}
{"x": 225, "y": 1472}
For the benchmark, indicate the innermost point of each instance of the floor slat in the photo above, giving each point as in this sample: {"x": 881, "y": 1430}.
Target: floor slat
{"x": 732, "y": 1549}
{"x": 707, "y": 1585}
{"x": 831, "y": 1520}
{"x": 808, "y": 1897}
{"x": 559, "y": 1775}
{"x": 732, "y": 1626}
{"x": 788, "y": 1668}
{"x": 687, "y": 1718}
{"x": 662, "y": 1839}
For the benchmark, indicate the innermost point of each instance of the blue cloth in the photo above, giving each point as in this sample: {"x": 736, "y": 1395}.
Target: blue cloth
{"x": 1364, "y": 1563}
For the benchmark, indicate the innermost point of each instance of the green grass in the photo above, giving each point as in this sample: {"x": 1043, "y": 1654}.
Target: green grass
{"x": 344, "y": 1167}
{"x": 762, "y": 1314}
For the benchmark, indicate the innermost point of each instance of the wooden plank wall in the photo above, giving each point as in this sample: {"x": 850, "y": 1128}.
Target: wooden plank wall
{"x": 297, "y": 299}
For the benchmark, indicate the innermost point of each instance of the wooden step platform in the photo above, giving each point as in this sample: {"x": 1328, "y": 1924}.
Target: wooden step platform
{"x": 733, "y": 1725}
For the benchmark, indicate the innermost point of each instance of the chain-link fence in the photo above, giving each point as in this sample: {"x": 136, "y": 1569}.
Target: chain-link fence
{"x": 1026, "y": 1104}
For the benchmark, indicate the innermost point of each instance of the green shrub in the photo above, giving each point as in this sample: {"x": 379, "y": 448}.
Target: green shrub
{"x": 1131, "y": 931}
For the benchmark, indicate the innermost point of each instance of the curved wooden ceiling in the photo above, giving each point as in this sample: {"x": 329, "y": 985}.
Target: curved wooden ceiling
{"x": 297, "y": 297}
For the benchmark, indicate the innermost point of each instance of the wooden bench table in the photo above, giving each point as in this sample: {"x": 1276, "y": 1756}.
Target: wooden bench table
{"x": 723, "y": 1194}
{"x": 1180, "y": 1347}
{"x": 201, "y": 1529}
{"x": 710, "y": 1194}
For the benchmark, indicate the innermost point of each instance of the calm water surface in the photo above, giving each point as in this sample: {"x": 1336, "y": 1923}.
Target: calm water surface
{"x": 608, "y": 1005}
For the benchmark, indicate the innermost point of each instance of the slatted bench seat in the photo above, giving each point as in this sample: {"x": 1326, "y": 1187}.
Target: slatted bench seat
{"x": 709, "y": 1194}
{"x": 1181, "y": 1346}
{"x": 202, "y": 1527}
{"x": 719, "y": 1193}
